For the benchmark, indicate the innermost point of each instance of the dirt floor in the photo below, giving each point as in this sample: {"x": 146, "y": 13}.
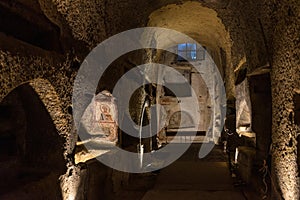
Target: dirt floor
{"x": 189, "y": 178}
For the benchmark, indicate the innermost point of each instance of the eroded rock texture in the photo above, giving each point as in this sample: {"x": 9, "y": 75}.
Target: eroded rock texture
{"x": 43, "y": 43}
{"x": 285, "y": 81}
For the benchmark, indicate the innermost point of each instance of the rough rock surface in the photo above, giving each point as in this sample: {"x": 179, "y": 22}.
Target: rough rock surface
{"x": 260, "y": 33}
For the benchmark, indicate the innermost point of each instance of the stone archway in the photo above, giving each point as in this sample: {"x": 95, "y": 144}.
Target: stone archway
{"x": 204, "y": 26}
{"x": 33, "y": 126}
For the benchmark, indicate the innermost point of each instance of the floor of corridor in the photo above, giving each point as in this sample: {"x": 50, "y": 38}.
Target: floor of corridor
{"x": 194, "y": 179}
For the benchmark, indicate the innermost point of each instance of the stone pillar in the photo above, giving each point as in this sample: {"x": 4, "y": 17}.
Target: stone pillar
{"x": 285, "y": 80}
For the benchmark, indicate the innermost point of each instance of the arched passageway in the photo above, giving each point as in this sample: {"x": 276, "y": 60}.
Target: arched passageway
{"x": 31, "y": 147}
{"x": 204, "y": 26}
{"x": 254, "y": 41}
{"x": 212, "y": 173}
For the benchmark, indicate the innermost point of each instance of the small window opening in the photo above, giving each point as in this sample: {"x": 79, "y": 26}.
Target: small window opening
{"x": 190, "y": 52}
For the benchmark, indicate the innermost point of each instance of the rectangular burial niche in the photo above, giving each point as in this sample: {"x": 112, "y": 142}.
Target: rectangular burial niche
{"x": 297, "y": 109}
{"x": 260, "y": 94}
{"x": 297, "y": 122}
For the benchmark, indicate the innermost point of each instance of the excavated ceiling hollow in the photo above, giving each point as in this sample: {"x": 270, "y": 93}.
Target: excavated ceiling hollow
{"x": 193, "y": 19}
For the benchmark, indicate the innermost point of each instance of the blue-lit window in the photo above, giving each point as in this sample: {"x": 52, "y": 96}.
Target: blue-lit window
{"x": 191, "y": 51}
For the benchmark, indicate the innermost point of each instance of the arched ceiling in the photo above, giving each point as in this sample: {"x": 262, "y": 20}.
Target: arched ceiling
{"x": 193, "y": 19}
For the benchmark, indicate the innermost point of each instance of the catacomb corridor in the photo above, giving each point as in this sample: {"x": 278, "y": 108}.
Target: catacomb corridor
{"x": 226, "y": 100}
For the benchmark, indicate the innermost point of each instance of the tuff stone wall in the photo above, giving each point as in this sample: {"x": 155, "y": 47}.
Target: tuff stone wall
{"x": 93, "y": 21}
{"x": 285, "y": 79}
{"x": 261, "y": 31}
{"x": 48, "y": 73}
{"x": 51, "y": 77}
